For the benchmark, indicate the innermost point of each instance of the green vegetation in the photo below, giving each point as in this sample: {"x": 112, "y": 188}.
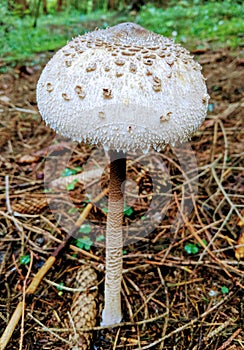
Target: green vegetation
{"x": 85, "y": 228}
{"x": 68, "y": 171}
{"x": 196, "y": 24}
{"x": 24, "y": 259}
{"x": 84, "y": 243}
{"x": 128, "y": 211}
{"x": 71, "y": 185}
{"x": 225, "y": 290}
{"x": 192, "y": 248}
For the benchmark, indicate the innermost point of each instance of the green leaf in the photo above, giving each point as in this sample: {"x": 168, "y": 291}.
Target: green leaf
{"x": 68, "y": 171}
{"x": 87, "y": 201}
{"x": 71, "y": 186}
{"x": 85, "y": 228}
{"x": 225, "y": 290}
{"x": 73, "y": 210}
{"x": 204, "y": 242}
{"x": 24, "y": 259}
{"x": 84, "y": 243}
{"x": 100, "y": 238}
{"x": 191, "y": 248}
{"x": 87, "y": 246}
{"x": 128, "y": 211}
{"x": 48, "y": 190}
{"x": 60, "y": 286}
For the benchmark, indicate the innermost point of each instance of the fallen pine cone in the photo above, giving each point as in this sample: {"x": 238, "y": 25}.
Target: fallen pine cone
{"x": 84, "y": 308}
{"x": 30, "y": 205}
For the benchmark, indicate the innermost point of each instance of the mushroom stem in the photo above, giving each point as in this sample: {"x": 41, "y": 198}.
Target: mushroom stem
{"x": 114, "y": 240}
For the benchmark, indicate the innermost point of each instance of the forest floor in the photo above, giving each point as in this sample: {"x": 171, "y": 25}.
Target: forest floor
{"x": 182, "y": 288}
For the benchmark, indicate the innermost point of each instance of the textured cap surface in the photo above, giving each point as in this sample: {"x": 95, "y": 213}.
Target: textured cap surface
{"x": 123, "y": 87}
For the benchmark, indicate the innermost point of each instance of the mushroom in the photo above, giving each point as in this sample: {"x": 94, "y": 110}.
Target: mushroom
{"x": 124, "y": 88}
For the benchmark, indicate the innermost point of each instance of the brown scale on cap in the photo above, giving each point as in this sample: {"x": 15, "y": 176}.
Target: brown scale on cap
{"x": 149, "y": 55}
{"x": 153, "y": 48}
{"x": 101, "y": 115}
{"x": 205, "y": 99}
{"x": 99, "y": 43}
{"x": 91, "y": 67}
{"x": 107, "y": 93}
{"x": 107, "y": 68}
{"x": 170, "y": 60}
{"x": 78, "y": 89}
{"x": 119, "y": 62}
{"x": 68, "y": 62}
{"x": 161, "y": 54}
{"x": 65, "y": 96}
{"x": 132, "y": 67}
{"x": 157, "y": 84}
{"x": 166, "y": 117}
{"x": 148, "y": 62}
{"x": 67, "y": 52}
{"x": 49, "y": 87}
{"x": 128, "y": 53}
{"x": 134, "y": 49}
{"x": 80, "y": 92}
{"x": 119, "y": 74}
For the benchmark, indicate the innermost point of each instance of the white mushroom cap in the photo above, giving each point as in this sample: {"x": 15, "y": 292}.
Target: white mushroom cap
{"x": 125, "y": 88}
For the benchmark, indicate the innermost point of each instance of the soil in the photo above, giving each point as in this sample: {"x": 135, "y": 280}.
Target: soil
{"x": 182, "y": 287}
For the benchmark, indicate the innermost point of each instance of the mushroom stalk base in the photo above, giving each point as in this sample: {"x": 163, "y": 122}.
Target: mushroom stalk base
{"x": 114, "y": 240}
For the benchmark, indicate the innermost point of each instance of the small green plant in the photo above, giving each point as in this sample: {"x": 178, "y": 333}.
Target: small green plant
{"x": 191, "y": 248}
{"x": 84, "y": 243}
{"x": 71, "y": 185}
{"x": 128, "y": 211}
{"x": 100, "y": 238}
{"x": 48, "y": 190}
{"x": 85, "y": 228}
{"x": 60, "y": 288}
{"x": 73, "y": 210}
{"x": 224, "y": 290}
{"x": 69, "y": 171}
{"x": 24, "y": 259}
